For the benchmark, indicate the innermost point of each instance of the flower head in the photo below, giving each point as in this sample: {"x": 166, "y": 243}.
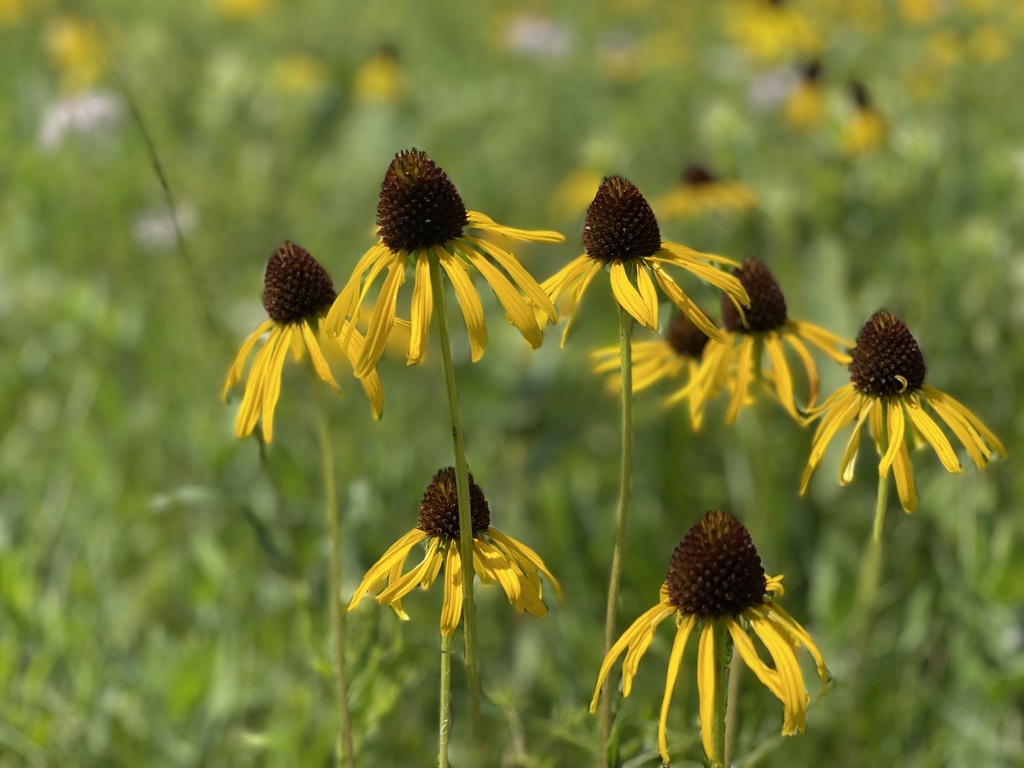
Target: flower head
{"x": 715, "y": 579}
{"x": 867, "y": 128}
{"x": 886, "y": 389}
{"x": 496, "y": 557}
{"x": 379, "y": 79}
{"x": 297, "y": 293}
{"x": 676, "y": 355}
{"x": 701, "y": 192}
{"x": 805, "y": 104}
{"x": 421, "y": 218}
{"x": 735, "y": 358}
{"x": 772, "y": 30}
{"x": 621, "y": 232}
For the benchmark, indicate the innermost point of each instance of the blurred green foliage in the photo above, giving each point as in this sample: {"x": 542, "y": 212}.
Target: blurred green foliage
{"x": 162, "y": 588}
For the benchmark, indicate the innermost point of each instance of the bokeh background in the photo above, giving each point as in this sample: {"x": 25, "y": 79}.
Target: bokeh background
{"x": 162, "y": 585}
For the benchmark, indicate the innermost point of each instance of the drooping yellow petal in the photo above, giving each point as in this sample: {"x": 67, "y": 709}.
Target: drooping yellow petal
{"x": 395, "y": 555}
{"x": 629, "y": 297}
{"x": 347, "y": 302}
{"x": 272, "y": 380}
{"x": 414, "y": 577}
{"x": 675, "y": 658}
{"x": 252, "y": 399}
{"x": 323, "y": 370}
{"x": 481, "y": 221}
{"x": 647, "y": 290}
{"x": 706, "y": 677}
{"x": 469, "y": 300}
{"x": 381, "y": 320}
{"x": 636, "y": 631}
{"x": 451, "y": 607}
{"x": 494, "y": 565}
{"x": 780, "y": 372}
{"x": 577, "y": 294}
{"x": 977, "y": 449}
{"x": 518, "y": 311}
{"x": 421, "y": 310}
{"x": 681, "y": 300}
{"x": 525, "y": 556}
{"x": 745, "y": 363}
{"x": 927, "y": 427}
{"x": 533, "y": 290}
{"x": 788, "y": 626}
{"x": 934, "y": 396}
{"x": 840, "y": 409}
{"x": 896, "y": 424}
{"x": 235, "y": 373}
{"x": 849, "y": 458}
{"x": 371, "y": 383}
{"x": 794, "y": 694}
{"x": 768, "y": 676}
{"x": 832, "y": 345}
{"x": 905, "y": 487}
{"x": 640, "y": 644}
{"x": 809, "y": 367}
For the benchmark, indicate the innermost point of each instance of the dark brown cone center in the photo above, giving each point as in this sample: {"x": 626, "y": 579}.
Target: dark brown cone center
{"x": 685, "y": 338}
{"x": 715, "y": 571}
{"x": 620, "y": 224}
{"x": 295, "y": 286}
{"x": 767, "y": 310}
{"x": 439, "y": 510}
{"x": 887, "y": 359}
{"x": 419, "y": 206}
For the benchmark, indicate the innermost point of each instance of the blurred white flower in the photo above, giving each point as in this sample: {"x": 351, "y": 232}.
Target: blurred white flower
{"x": 85, "y": 114}
{"x": 772, "y": 87}
{"x": 154, "y": 227}
{"x": 537, "y": 36}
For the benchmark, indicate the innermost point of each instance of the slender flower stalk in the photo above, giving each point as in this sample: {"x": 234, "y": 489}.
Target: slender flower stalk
{"x": 445, "y": 727}
{"x": 625, "y": 481}
{"x": 345, "y": 751}
{"x": 462, "y": 491}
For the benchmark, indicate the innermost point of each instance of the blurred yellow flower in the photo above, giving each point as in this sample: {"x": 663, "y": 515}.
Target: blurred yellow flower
{"x": 241, "y": 10}
{"x": 574, "y": 193}
{"x": 701, "y": 192}
{"x": 676, "y": 356}
{"x": 379, "y": 79}
{"x": 805, "y": 105}
{"x": 771, "y": 30}
{"x": 297, "y": 292}
{"x": 887, "y": 389}
{"x": 76, "y": 52}
{"x": 717, "y": 586}
{"x": 11, "y": 12}
{"x": 866, "y": 129}
{"x": 989, "y": 43}
{"x": 919, "y": 12}
{"x": 301, "y": 74}
{"x": 496, "y": 557}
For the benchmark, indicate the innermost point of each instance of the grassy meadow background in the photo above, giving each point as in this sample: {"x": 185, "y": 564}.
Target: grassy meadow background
{"x": 162, "y": 586}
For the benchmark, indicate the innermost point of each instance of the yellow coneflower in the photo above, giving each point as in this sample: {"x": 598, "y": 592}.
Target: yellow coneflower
{"x": 300, "y": 74}
{"x": 421, "y": 218}
{"x": 675, "y": 356}
{"x": 240, "y": 10}
{"x": 772, "y": 30}
{"x": 805, "y": 104}
{"x": 620, "y": 231}
{"x": 717, "y": 585}
{"x": 735, "y": 358}
{"x": 867, "y": 128}
{"x": 76, "y": 52}
{"x": 700, "y": 192}
{"x": 497, "y": 557}
{"x": 887, "y": 389}
{"x": 297, "y": 293}
{"x": 379, "y": 79}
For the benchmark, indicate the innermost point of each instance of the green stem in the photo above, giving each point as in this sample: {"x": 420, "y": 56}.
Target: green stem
{"x": 732, "y": 710}
{"x": 625, "y": 475}
{"x": 345, "y": 752}
{"x": 445, "y": 726}
{"x": 462, "y": 490}
{"x": 718, "y": 759}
